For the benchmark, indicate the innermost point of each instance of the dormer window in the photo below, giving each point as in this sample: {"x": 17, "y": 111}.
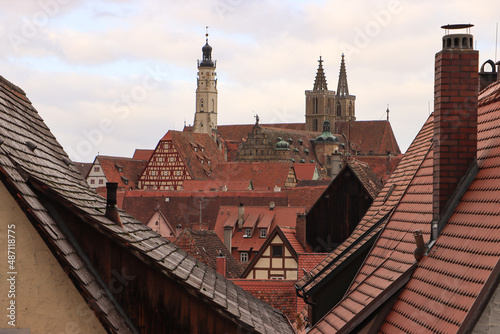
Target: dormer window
{"x": 248, "y": 232}
{"x": 263, "y": 233}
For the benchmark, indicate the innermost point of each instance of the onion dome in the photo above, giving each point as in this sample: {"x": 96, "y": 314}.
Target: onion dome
{"x": 327, "y": 136}
{"x": 282, "y": 145}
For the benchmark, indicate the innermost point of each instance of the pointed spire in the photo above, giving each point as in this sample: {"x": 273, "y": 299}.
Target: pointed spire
{"x": 342, "y": 89}
{"x": 320, "y": 81}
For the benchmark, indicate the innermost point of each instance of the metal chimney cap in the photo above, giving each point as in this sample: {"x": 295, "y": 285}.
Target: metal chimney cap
{"x": 457, "y": 26}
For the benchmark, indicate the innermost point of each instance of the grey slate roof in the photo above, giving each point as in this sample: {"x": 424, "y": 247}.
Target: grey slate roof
{"x": 48, "y": 166}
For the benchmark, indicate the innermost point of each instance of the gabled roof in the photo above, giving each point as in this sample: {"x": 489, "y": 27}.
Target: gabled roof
{"x": 33, "y": 164}
{"x": 205, "y": 245}
{"x": 264, "y": 175}
{"x": 365, "y": 137}
{"x": 124, "y": 171}
{"x": 269, "y": 219}
{"x": 376, "y": 216}
{"x": 461, "y": 272}
{"x": 391, "y": 259}
{"x": 367, "y": 177}
{"x": 238, "y": 132}
{"x": 83, "y": 168}
{"x": 142, "y": 154}
{"x": 305, "y": 171}
{"x": 305, "y": 196}
{"x": 277, "y": 293}
{"x": 287, "y": 235}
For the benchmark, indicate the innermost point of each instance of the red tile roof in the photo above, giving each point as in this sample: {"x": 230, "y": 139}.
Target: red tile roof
{"x": 217, "y": 185}
{"x": 131, "y": 169}
{"x": 205, "y": 245}
{"x": 452, "y": 280}
{"x": 382, "y": 166}
{"x": 264, "y": 175}
{"x": 305, "y": 171}
{"x": 282, "y": 216}
{"x": 142, "y": 154}
{"x": 365, "y": 136}
{"x": 305, "y": 196}
{"x": 238, "y": 132}
{"x": 277, "y": 293}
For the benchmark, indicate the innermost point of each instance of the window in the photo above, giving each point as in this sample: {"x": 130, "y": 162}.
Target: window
{"x": 92, "y": 181}
{"x": 177, "y": 173}
{"x": 166, "y": 146}
{"x": 263, "y": 233}
{"x": 277, "y": 251}
{"x": 243, "y": 256}
{"x": 96, "y": 169}
{"x": 156, "y": 223}
{"x": 171, "y": 159}
{"x": 248, "y": 232}
{"x": 101, "y": 181}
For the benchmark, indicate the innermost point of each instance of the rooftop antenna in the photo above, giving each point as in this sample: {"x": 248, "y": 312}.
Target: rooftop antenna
{"x": 387, "y": 111}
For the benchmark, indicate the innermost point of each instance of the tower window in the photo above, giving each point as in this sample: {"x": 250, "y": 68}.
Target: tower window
{"x": 339, "y": 109}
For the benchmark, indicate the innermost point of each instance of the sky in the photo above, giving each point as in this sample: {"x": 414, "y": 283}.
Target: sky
{"x": 111, "y": 76}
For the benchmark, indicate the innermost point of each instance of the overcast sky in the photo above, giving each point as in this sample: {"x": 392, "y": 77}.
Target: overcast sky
{"x": 112, "y": 76}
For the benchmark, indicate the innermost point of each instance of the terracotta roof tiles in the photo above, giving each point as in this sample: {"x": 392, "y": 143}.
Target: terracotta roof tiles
{"x": 364, "y": 173}
{"x": 124, "y": 171}
{"x": 446, "y": 286}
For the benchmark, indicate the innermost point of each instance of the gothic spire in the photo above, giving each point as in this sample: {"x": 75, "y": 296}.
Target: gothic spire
{"x": 342, "y": 89}
{"x": 320, "y": 81}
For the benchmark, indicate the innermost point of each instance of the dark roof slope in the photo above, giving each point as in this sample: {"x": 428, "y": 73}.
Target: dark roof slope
{"x": 44, "y": 165}
{"x": 83, "y": 168}
{"x": 205, "y": 245}
{"x": 20, "y": 124}
{"x": 364, "y": 173}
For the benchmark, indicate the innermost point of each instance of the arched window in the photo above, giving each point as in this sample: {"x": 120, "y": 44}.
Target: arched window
{"x": 201, "y": 105}
{"x": 315, "y": 105}
{"x": 213, "y": 105}
{"x": 315, "y": 125}
{"x": 339, "y": 109}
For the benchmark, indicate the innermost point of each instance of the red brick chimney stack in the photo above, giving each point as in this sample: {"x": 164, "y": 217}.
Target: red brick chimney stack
{"x": 455, "y": 115}
{"x": 221, "y": 264}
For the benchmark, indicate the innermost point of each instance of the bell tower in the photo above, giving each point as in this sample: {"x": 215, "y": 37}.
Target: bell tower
{"x": 205, "y": 118}
{"x": 319, "y": 101}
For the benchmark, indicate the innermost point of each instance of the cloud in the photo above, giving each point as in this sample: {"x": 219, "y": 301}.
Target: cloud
{"x": 89, "y": 54}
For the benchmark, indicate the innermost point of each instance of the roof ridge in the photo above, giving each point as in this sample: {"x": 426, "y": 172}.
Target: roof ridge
{"x": 10, "y": 85}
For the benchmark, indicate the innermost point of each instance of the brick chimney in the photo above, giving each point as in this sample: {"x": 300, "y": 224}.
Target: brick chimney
{"x": 221, "y": 264}
{"x": 455, "y": 116}
{"x": 300, "y": 229}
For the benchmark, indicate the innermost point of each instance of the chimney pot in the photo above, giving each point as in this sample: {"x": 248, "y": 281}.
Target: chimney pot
{"x": 421, "y": 249}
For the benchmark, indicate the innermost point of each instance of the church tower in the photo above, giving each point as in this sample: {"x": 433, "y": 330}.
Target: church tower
{"x": 344, "y": 104}
{"x": 205, "y": 118}
{"x": 320, "y": 101}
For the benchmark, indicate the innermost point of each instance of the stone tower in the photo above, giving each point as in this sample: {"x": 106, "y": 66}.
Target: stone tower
{"x": 205, "y": 118}
{"x": 344, "y": 104}
{"x": 319, "y": 101}
{"x": 323, "y": 104}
